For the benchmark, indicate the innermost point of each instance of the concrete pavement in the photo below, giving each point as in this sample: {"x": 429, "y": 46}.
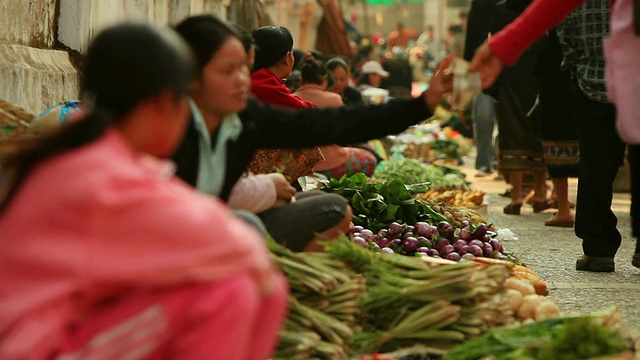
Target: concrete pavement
{"x": 552, "y": 252}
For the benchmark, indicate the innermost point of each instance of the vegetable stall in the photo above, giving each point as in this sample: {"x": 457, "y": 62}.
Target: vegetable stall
{"x": 418, "y": 277}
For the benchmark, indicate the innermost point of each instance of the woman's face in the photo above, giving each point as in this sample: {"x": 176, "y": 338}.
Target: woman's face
{"x": 375, "y": 80}
{"x": 340, "y": 78}
{"x": 288, "y": 64}
{"x": 224, "y": 85}
{"x": 167, "y": 126}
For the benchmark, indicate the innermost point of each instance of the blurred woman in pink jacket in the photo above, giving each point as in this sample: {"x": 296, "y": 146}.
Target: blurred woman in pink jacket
{"x": 103, "y": 252}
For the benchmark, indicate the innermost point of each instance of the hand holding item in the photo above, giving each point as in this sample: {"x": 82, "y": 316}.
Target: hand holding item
{"x": 284, "y": 190}
{"x": 440, "y": 84}
{"x": 487, "y": 64}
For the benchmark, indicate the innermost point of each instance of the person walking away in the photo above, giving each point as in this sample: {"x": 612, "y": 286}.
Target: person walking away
{"x": 507, "y": 45}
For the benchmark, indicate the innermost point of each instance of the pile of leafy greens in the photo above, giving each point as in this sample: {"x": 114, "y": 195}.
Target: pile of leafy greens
{"x": 375, "y": 206}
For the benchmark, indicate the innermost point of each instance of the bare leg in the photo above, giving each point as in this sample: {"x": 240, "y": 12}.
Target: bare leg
{"x": 539, "y": 186}
{"x": 561, "y": 188}
{"x": 515, "y": 176}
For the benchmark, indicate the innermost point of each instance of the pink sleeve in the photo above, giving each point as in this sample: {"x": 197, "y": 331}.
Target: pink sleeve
{"x": 541, "y": 16}
{"x": 164, "y": 233}
{"x": 254, "y": 193}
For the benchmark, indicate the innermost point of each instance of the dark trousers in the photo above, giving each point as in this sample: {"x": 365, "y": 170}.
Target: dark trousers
{"x": 601, "y": 155}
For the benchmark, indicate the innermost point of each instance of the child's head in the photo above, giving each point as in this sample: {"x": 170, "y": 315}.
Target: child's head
{"x": 136, "y": 78}
{"x": 313, "y": 72}
{"x": 274, "y": 50}
{"x": 130, "y": 63}
{"x": 131, "y": 69}
{"x": 222, "y": 86}
{"x": 340, "y": 72}
{"x": 373, "y": 73}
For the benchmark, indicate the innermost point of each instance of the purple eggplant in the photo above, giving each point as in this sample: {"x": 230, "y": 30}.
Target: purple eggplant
{"x": 446, "y": 250}
{"x": 466, "y": 235}
{"x": 395, "y": 228}
{"x": 454, "y": 256}
{"x": 410, "y": 244}
{"x": 440, "y": 243}
{"x": 422, "y": 228}
{"x": 480, "y": 232}
{"x": 475, "y": 250}
{"x": 488, "y": 250}
{"x": 445, "y": 229}
{"x": 496, "y": 245}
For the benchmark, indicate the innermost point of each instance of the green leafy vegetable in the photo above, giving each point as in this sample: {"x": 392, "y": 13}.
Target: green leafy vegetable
{"x": 568, "y": 338}
{"x": 413, "y": 172}
{"x": 376, "y": 206}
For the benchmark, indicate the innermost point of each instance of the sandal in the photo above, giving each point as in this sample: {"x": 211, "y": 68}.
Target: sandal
{"x": 595, "y": 264}
{"x": 554, "y": 221}
{"x": 540, "y": 206}
{"x": 512, "y": 209}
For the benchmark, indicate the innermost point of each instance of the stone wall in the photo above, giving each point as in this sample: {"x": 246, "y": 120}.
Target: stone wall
{"x": 34, "y": 75}
{"x": 80, "y": 20}
{"x": 36, "y": 78}
{"x": 28, "y": 22}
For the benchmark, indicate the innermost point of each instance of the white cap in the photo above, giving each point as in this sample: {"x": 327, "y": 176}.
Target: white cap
{"x": 374, "y": 67}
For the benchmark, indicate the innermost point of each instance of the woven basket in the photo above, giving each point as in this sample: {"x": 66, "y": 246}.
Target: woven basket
{"x": 14, "y": 120}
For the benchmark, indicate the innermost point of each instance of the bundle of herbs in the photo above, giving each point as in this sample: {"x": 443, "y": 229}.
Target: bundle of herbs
{"x": 377, "y": 205}
{"x": 323, "y": 305}
{"x": 567, "y": 338}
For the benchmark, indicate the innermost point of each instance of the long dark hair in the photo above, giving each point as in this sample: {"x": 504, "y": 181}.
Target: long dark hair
{"x": 313, "y": 72}
{"x": 205, "y": 34}
{"x": 272, "y": 44}
{"x": 124, "y": 66}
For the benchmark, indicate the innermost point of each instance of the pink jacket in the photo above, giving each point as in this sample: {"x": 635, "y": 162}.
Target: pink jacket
{"x": 621, "y": 51}
{"x": 93, "y": 223}
{"x": 334, "y": 155}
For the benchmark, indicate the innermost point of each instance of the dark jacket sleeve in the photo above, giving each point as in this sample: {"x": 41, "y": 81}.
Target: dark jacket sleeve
{"x": 283, "y": 128}
{"x": 479, "y": 26}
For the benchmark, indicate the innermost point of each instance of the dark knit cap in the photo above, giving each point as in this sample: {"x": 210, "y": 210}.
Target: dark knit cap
{"x": 272, "y": 44}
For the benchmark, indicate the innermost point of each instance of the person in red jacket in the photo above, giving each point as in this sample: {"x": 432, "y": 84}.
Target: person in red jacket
{"x": 274, "y": 62}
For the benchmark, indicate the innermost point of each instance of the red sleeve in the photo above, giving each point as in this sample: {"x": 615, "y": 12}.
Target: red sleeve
{"x": 266, "y": 87}
{"x": 542, "y": 15}
{"x": 280, "y": 96}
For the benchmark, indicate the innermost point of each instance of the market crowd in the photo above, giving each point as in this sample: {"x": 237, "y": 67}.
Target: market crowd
{"x": 145, "y": 216}
{"x": 129, "y": 255}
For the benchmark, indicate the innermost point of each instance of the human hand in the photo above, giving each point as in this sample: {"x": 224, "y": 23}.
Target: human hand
{"x": 440, "y": 84}
{"x": 284, "y": 190}
{"x": 487, "y": 64}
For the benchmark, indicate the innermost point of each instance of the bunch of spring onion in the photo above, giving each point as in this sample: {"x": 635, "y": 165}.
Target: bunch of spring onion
{"x": 412, "y": 300}
{"x": 323, "y": 305}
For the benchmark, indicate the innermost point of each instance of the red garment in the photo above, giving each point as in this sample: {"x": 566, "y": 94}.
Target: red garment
{"x": 266, "y": 87}
{"x": 226, "y": 320}
{"x": 541, "y": 16}
{"x": 116, "y": 222}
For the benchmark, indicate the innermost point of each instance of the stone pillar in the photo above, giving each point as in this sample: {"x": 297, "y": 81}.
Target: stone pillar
{"x": 36, "y": 78}
{"x": 80, "y": 20}
{"x": 33, "y": 75}
{"x": 300, "y": 17}
{"x": 29, "y": 23}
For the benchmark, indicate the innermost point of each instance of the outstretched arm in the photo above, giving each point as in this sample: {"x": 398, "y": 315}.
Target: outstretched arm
{"x": 506, "y": 46}
{"x": 281, "y": 128}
